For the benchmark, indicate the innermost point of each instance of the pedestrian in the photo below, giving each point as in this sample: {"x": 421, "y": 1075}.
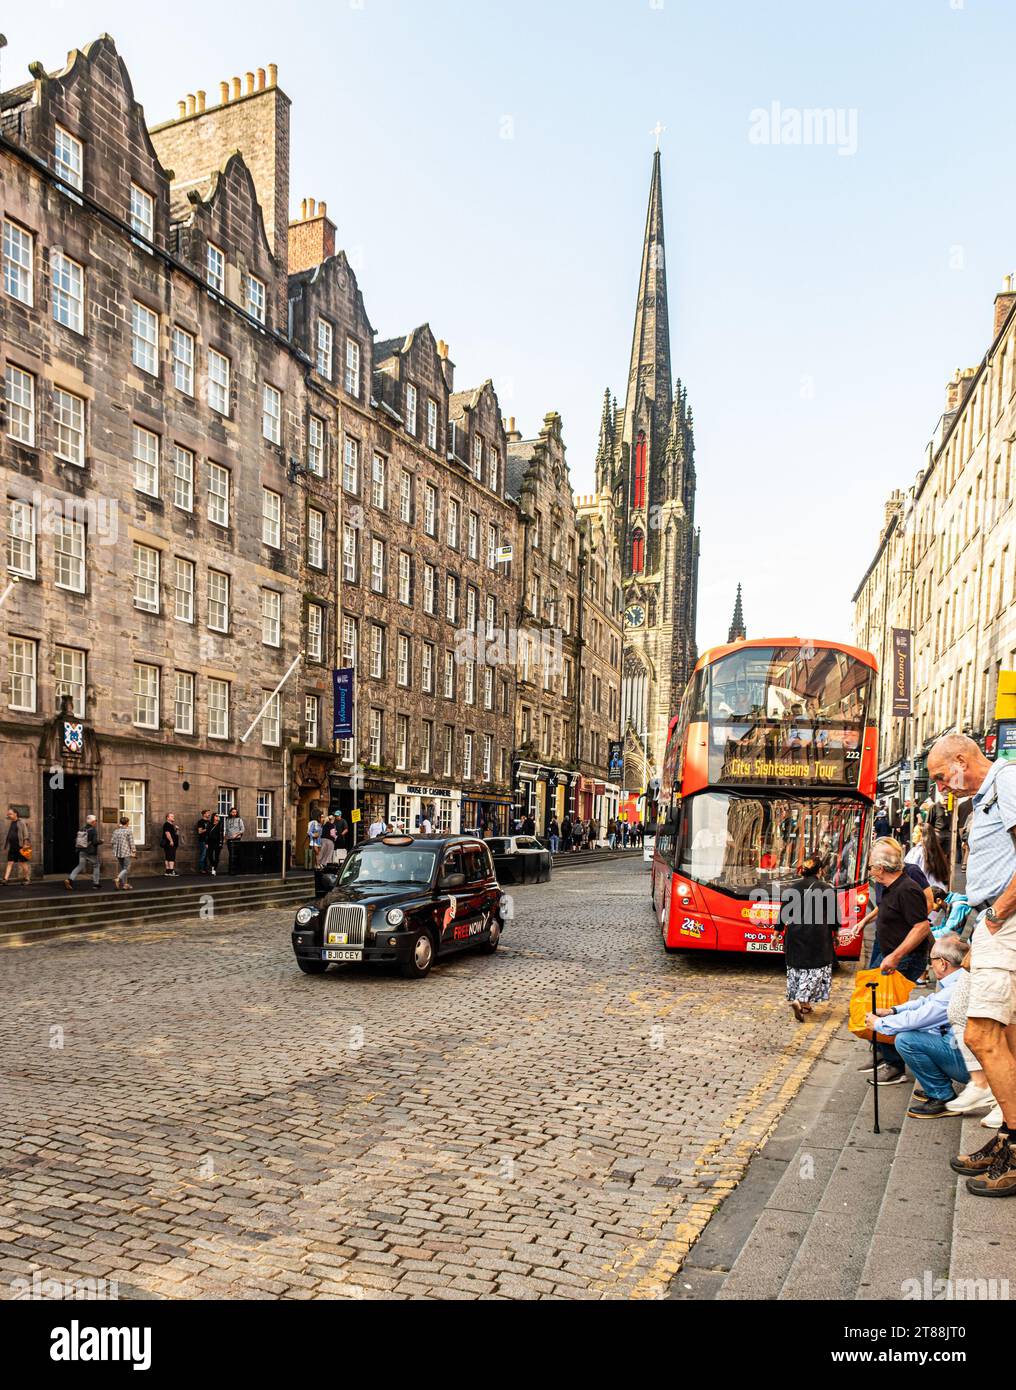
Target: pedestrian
{"x": 529, "y": 825}
{"x": 882, "y": 823}
{"x": 956, "y": 764}
{"x": 340, "y": 833}
{"x": 170, "y": 844}
{"x": 233, "y": 833}
{"x": 124, "y": 850}
{"x": 87, "y": 843}
{"x": 376, "y": 828}
{"x": 612, "y": 833}
{"x": 594, "y": 833}
{"x": 809, "y": 922}
{"x": 426, "y": 825}
{"x": 215, "y": 836}
{"x": 923, "y": 1035}
{"x": 314, "y": 832}
{"x": 902, "y": 939}
{"x": 201, "y": 840}
{"x": 325, "y": 853}
{"x": 18, "y": 841}
{"x": 928, "y": 855}
{"x": 554, "y": 835}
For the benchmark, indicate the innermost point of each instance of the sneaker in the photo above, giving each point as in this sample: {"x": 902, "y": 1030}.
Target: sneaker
{"x": 930, "y": 1110}
{"x": 214, "y": 874}
{"x": 920, "y": 1095}
{"x": 971, "y": 1099}
{"x": 1000, "y": 1179}
{"x": 993, "y": 1119}
{"x": 889, "y": 1076}
{"x": 971, "y": 1164}
{"x": 68, "y": 885}
{"x": 868, "y": 1066}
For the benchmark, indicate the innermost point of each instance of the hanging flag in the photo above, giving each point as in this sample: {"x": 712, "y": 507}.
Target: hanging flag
{"x": 901, "y": 673}
{"x": 342, "y": 690}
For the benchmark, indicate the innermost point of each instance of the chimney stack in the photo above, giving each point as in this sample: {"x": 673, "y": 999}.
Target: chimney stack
{"x": 952, "y": 392}
{"x": 513, "y": 435}
{"x": 1003, "y": 304}
{"x": 311, "y": 236}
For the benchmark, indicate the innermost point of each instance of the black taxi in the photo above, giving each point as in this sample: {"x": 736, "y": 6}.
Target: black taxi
{"x": 407, "y": 900}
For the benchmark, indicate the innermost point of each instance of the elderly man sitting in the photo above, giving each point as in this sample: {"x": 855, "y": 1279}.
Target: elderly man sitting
{"x": 923, "y": 1036}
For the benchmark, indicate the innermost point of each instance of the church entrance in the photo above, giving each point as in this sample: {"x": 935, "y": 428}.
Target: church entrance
{"x": 61, "y": 821}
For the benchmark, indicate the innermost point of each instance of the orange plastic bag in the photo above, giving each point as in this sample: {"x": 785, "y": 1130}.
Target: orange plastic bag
{"x": 892, "y": 990}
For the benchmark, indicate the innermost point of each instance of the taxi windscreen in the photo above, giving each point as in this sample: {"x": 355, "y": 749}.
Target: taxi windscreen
{"x": 383, "y": 864}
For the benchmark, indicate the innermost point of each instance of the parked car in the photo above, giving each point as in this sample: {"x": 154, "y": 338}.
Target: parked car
{"x": 404, "y": 900}
{"x": 521, "y": 859}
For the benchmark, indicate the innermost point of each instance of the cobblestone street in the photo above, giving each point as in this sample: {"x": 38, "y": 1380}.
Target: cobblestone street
{"x": 189, "y": 1115}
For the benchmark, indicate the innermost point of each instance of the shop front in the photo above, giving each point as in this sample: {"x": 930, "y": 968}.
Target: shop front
{"x": 371, "y": 803}
{"x": 409, "y": 806}
{"x": 545, "y": 793}
{"x": 487, "y": 815}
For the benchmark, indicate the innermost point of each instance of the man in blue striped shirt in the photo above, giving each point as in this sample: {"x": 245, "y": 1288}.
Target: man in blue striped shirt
{"x": 957, "y": 763}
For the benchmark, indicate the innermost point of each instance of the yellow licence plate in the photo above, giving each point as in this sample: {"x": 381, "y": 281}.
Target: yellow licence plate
{"x": 337, "y": 939}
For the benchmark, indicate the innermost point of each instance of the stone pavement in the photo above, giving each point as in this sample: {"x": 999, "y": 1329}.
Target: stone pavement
{"x": 189, "y": 1115}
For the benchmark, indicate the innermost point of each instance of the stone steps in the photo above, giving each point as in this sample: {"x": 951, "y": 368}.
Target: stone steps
{"x": 37, "y": 916}
{"x": 862, "y": 1217}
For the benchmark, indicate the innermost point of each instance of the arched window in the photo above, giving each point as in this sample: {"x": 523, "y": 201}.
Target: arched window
{"x": 638, "y": 552}
{"x": 639, "y": 498}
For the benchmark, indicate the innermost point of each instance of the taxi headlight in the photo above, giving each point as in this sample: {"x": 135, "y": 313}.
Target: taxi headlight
{"x": 305, "y": 916}
{"x": 395, "y": 917}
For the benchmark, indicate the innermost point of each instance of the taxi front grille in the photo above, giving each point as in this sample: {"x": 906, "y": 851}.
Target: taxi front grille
{"x": 348, "y": 920}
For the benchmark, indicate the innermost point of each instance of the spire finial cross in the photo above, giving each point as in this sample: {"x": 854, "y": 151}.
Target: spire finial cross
{"x": 658, "y": 130}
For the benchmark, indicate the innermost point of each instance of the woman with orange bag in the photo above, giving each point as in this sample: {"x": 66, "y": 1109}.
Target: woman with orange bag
{"x": 903, "y": 939}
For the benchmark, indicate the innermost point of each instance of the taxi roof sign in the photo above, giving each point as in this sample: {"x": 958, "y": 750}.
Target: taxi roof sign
{"x": 396, "y": 839}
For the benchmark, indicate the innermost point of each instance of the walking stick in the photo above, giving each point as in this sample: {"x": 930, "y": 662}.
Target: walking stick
{"x": 874, "y": 1051}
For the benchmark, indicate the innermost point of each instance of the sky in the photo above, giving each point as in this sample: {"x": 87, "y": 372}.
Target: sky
{"x": 487, "y": 163}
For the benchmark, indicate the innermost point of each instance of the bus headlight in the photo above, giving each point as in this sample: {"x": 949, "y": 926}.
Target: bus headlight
{"x": 395, "y": 917}
{"x": 305, "y": 916}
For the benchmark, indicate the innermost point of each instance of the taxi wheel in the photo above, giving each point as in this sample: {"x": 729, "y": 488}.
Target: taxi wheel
{"x": 421, "y": 960}
{"x": 488, "y": 947}
{"x": 312, "y": 967}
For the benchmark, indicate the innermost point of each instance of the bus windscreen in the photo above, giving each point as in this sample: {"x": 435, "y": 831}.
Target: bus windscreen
{"x": 782, "y": 716}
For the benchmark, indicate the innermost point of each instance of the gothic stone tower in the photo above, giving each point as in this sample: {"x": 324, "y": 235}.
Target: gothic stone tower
{"x": 646, "y": 461}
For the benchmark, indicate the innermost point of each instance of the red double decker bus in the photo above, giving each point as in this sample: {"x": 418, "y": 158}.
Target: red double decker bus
{"x": 772, "y": 757}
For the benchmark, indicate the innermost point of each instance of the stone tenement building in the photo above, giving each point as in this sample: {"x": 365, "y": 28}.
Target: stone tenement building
{"x": 167, "y": 516}
{"x": 945, "y": 567}
{"x": 568, "y": 668}
{"x": 646, "y": 464}
{"x": 200, "y": 484}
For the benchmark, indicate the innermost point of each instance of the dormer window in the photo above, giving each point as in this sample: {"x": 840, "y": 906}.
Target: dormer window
{"x": 215, "y": 269}
{"x": 142, "y": 213}
{"x": 256, "y": 299}
{"x": 68, "y": 158}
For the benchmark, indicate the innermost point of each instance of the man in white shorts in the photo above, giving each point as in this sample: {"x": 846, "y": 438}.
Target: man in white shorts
{"x": 957, "y": 763}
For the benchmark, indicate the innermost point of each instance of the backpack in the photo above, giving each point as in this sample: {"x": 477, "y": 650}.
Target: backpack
{"x": 81, "y": 840}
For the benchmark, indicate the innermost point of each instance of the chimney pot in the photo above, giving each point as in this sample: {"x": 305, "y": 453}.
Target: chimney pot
{"x": 311, "y": 207}
{"x": 250, "y": 83}
{"x": 322, "y": 209}
{"x": 303, "y": 210}
{"x": 236, "y": 88}
{"x": 511, "y": 424}
{"x": 261, "y": 79}
{"x": 223, "y": 93}
{"x": 181, "y": 109}
{"x": 201, "y": 101}
{"x": 191, "y": 103}
{"x": 273, "y": 74}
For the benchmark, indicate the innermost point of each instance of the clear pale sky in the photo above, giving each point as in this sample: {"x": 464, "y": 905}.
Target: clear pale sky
{"x": 819, "y": 301}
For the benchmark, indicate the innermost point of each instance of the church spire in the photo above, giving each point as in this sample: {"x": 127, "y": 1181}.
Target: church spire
{"x": 737, "y": 631}
{"x": 649, "y": 382}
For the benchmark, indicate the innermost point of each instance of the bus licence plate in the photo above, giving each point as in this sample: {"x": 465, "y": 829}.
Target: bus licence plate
{"x": 350, "y": 954}
{"x": 770, "y": 946}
